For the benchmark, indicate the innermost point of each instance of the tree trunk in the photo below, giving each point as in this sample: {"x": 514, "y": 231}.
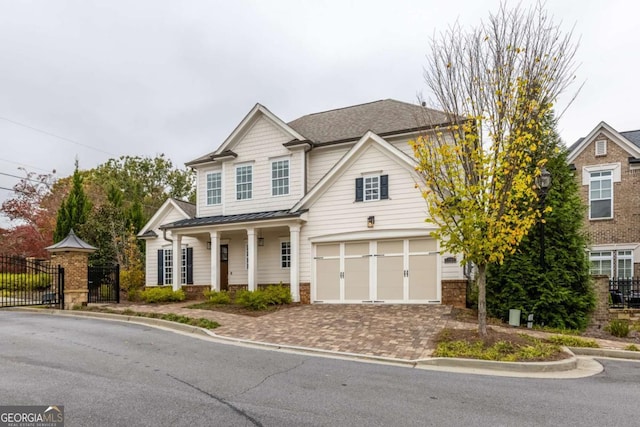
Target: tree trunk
{"x": 482, "y": 300}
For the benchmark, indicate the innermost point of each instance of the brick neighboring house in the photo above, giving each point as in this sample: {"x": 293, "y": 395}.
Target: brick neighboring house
{"x": 607, "y": 165}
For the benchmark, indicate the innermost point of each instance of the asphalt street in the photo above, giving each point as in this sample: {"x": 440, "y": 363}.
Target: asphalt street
{"x": 115, "y": 374}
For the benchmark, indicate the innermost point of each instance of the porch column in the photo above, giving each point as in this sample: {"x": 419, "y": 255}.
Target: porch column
{"x": 294, "y": 271}
{"x": 252, "y": 244}
{"x": 176, "y": 266}
{"x": 215, "y": 261}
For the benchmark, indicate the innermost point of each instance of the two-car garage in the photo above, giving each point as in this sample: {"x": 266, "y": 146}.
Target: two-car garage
{"x": 386, "y": 271}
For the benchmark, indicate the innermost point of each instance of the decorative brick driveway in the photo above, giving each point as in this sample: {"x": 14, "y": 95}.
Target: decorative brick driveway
{"x": 397, "y": 331}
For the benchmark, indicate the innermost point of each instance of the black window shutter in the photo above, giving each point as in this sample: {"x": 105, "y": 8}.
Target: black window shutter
{"x": 160, "y": 267}
{"x": 189, "y": 266}
{"x": 359, "y": 186}
{"x": 384, "y": 187}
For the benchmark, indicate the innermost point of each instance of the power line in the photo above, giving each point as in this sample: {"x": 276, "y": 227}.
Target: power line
{"x": 24, "y": 164}
{"x": 56, "y": 136}
{"x": 20, "y": 177}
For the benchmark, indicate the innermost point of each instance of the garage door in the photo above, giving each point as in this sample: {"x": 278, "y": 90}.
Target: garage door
{"x": 389, "y": 271}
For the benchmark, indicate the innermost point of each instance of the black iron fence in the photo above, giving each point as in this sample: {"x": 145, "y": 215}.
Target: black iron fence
{"x": 25, "y": 282}
{"x": 104, "y": 283}
{"x": 624, "y": 293}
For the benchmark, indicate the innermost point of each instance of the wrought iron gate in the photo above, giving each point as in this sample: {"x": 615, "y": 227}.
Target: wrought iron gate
{"x": 104, "y": 283}
{"x": 25, "y": 282}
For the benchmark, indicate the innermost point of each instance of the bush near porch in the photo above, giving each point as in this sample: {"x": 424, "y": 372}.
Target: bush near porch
{"x": 260, "y": 299}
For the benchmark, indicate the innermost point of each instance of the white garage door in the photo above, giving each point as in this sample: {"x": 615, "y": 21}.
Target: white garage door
{"x": 390, "y": 271}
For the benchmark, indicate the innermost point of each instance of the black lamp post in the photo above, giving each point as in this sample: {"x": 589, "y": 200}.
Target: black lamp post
{"x": 543, "y": 182}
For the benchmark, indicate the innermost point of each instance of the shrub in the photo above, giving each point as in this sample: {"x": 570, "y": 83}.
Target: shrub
{"x": 571, "y": 341}
{"x": 618, "y": 328}
{"x": 277, "y": 295}
{"x": 253, "y": 300}
{"x": 632, "y": 347}
{"x": 218, "y": 297}
{"x": 162, "y": 294}
{"x": 25, "y": 281}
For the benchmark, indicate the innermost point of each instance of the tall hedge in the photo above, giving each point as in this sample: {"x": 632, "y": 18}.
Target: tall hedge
{"x": 558, "y": 290}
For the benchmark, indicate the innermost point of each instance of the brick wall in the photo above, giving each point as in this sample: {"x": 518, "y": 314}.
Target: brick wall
{"x": 601, "y": 314}
{"x": 305, "y": 293}
{"x": 454, "y": 292}
{"x": 624, "y": 227}
{"x": 195, "y": 292}
{"x": 76, "y": 284}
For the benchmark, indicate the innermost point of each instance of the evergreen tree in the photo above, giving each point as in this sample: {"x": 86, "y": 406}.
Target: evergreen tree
{"x": 555, "y": 286}
{"x": 74, "y": 209}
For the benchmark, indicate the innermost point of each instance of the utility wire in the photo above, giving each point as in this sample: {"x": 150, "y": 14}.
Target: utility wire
{"x": 56, "y": 136}
{"x": 24, "y": 164}
{"x": 20, "y": 177}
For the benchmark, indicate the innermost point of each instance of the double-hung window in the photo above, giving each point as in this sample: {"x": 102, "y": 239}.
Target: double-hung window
{"x": 601, "y": 263}
{"x": 244, "y": 182}
{"x": 370, "y": 188}
{"x": 214, "y": 188}
{"x": 279, "y": 177}
{"x": 601, "y": 195}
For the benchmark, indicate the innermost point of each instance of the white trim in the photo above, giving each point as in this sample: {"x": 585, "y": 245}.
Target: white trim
{"x": 601, "y": 199}
{"x": 609, "y": 133}
{"x": 600, "y": 147}
{"x": 248, "y": 121}
{"x": 615, "y": 168}
{"x": 374, "y": 234}
{"x": 162, "y": 211}
{"x": 367, "y": 140}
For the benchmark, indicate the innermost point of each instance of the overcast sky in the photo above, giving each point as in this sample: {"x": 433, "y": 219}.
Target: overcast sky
{"x": 142, "y": 77}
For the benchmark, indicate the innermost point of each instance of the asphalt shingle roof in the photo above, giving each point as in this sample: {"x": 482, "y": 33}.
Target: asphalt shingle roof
{"x": 188, "y": 208}
{"x": 228, "y": 219}
{"x": 381, "y": 117}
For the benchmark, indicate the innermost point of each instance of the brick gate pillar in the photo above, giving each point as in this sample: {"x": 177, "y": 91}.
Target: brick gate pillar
{"x": 72, "y": 254}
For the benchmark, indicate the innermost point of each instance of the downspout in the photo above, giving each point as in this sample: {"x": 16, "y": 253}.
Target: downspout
{"x": 164, "y": 235}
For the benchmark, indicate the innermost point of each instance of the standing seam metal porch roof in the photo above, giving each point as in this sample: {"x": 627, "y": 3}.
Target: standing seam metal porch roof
{"x": 230, "y": 219}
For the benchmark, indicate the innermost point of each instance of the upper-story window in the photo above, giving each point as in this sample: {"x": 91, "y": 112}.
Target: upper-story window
{"x": 600, "y": 195}
{"x": 244, "y": 182}
{"x": 214, "y": 188}
{"x": 372, "y": 187}
{"x": 279, "y": 177}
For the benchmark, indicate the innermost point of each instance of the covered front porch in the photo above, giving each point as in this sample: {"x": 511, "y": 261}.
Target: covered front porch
{"x": 240, "y": 251}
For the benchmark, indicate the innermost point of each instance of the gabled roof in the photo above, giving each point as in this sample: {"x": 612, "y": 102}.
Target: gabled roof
{"x": 384, "y": 117}
{"x": 230, "y": 219}
{"x": 629, "y": 141}
{"x": 367, "y": 140}
{"x": 186, "y": 209}
{"x": 256, "y": 112}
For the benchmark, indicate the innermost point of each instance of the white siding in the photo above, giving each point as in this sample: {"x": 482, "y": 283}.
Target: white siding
{"x": 451, "y": 271}
{"x": 336, "y": 210}
{"x": 321, "y": 160}
{"x": 262, "y": 143}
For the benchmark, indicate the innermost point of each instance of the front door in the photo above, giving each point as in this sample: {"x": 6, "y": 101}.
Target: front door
{"x": 224, "y": 267}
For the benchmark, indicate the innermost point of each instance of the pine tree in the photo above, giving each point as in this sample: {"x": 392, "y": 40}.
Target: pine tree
{"x": 74, "y": 210}
{"x": 556, "y": 287}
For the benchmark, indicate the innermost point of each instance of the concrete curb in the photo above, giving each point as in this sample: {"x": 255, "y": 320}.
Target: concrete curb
{"x": 564, "y": 365}
{"x": 606, "y": 352}
{"x": 567, "y": 364}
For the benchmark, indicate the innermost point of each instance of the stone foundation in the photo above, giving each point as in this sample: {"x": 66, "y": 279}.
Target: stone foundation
{"x": 195, "y": 292}
{"x": 454, "y": 292}
{"x": 235, "y": 288}
{"x": 305, "y": 293}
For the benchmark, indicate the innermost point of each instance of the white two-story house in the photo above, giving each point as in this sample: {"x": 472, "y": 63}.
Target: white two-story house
{"x": 326, "y": 204}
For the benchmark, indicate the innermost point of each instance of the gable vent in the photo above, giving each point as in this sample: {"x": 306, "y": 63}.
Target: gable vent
{"x": 601, "y": 147}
